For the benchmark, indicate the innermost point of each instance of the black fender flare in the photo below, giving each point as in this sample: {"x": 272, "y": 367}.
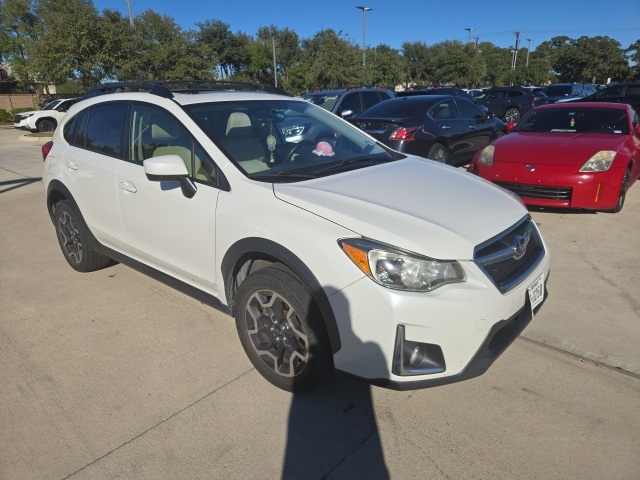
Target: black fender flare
{"x": 248, "y": 248}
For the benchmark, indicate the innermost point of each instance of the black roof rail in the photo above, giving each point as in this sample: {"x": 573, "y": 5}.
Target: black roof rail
{"x": 164, "y": 88}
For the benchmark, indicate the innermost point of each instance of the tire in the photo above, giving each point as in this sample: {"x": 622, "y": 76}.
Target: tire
{"x": 512, "y": 115}
{"x": 74, "y": 240}
{"x": 46, "y": 125}
{"x": 282, "y": 331}
{"x": 623, "y": 192}
{"x": 439, "y": 153}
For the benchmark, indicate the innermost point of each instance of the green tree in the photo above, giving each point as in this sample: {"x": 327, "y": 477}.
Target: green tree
{"x": 633, "y": 53}
{"x": 456, "y": 63}
{"x": 417, "y": 62}
{"x": 19, "y": 26}
{"x": 386, "y": 66}
{"x": 331, "y": 56}
{"x": 61, "y": 52}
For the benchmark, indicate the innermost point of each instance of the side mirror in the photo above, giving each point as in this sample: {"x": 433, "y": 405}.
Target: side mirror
{"x": 165, "y": 168}
{"x": 346, "y": 113}
{"x": 170, "y": 168}
{"x": 509, "y": 126}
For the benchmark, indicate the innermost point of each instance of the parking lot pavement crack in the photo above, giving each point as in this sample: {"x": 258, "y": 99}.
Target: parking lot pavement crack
{"x": 374, "y": 431}
{"x": 163, "y": 421}
{"x": 582, "y": 358}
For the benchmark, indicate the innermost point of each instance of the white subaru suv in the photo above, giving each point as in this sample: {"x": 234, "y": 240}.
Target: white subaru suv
{"x": 46, "y": 119}
{"x": 329, "y": 249}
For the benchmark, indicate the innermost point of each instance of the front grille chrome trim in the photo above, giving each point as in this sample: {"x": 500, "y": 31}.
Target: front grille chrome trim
{"x": 508, "y": 258}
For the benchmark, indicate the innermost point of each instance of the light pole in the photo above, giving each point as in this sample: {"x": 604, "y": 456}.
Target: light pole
{"x": 469, "y": 29}
{"x": 364, "y": 32}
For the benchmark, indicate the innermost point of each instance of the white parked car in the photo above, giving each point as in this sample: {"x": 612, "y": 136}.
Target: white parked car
{"x": 328, "y": 248}
{"x": 46, "y": 119}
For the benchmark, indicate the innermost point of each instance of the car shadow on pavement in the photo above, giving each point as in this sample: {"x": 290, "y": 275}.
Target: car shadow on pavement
{"x": 332, "y": 430}
{"x": 333, "y": 433}
{"x": 22, "y": 182}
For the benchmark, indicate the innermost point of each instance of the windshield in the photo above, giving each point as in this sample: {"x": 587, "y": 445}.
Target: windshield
{"x": 558, "y": 90}
{"x": 324, "y": 100}
{"x": 52, "y": 105}
{"x": 575, "y": 120}
{"x": 286, "y": 140}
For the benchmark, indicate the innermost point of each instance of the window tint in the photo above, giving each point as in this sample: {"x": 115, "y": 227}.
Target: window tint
{"x": 351, "y": 102}
{"x": 468, "y": 109}
{"x": 104, "y": 130}
{"x": 445, "y": 110}
{"x": 514, "y": 93}
{"x": 370, "y": 99}
{"x": 155, "y": 132}
{"x": 632, "y": 91}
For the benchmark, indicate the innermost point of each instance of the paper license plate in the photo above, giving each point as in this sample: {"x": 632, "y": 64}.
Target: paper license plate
{"x": 536, "y": 292}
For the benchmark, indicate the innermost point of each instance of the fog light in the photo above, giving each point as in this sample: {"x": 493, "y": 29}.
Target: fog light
{"x": 417, "y": 354}
{"x": 415, "y": 358}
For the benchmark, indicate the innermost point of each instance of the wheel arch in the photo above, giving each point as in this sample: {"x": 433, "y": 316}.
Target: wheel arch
{"x": 251, "y": 254}
{"x": 38, "y": 120}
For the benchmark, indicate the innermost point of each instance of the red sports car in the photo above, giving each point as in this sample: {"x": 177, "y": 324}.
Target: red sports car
{"x": 571, "y": 155}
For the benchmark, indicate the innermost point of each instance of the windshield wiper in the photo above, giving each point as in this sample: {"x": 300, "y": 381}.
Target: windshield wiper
{"x": 355, "y": 161}
{"x": 281, "y": 176}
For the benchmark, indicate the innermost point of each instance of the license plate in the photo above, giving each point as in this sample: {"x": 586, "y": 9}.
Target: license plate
{"x": 536, "y": 292}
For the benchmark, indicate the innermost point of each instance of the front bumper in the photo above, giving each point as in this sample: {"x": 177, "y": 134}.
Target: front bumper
{"x": 470, "y": 324}
{"x": 557, "y": 186}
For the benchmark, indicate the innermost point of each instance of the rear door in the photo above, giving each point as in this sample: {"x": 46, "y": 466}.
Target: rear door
{"x": 448, "y": 128}
{"x": 89, "y": 167}
{"x": 479, "y": 131}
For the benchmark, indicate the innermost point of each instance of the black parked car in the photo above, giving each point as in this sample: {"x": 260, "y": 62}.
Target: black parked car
{"x": 444, "y": 128}
{"x": 347, "y": 102}
{"x": 510, "y": 103}
{"x": 627, "y": 92}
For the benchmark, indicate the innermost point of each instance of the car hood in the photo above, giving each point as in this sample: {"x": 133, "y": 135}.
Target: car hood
{"x": 416, "y": 204}
{"x": 553, "y": 148}
{"x": 30, "y": 112}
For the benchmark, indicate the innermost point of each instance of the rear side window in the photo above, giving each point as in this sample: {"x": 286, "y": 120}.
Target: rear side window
{"x": 514, "y": 93}
{"x": 99, "y": 128}
{"x": 104, "y": 129}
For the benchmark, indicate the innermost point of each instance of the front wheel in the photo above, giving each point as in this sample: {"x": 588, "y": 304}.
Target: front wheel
{"x": 623, "y": 192}
{"x": 281, "y": 330}
{"x": 46, "y": 125}
{"x": 512, "y": 115}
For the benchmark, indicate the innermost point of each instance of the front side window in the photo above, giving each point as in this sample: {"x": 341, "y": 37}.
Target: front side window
{"x": 155, "y": 132}
{"x": 469, "y": 110}
{"x": 351, "y": 101}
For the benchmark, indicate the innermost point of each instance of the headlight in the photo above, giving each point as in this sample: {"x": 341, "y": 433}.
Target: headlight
{"x": 394, "y": 268}
{"x": 486, "y": 156}
{"x": 600, "y": 162}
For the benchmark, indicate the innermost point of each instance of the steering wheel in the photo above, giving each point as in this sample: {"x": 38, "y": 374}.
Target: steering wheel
{"x": 298, "y": 146}
{"x": 601, "y": 128}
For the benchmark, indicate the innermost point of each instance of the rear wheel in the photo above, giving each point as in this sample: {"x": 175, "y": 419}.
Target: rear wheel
{"x": 623, "y": 192}
{"x": 438, "y": 153}
{"x": 74, "y": 240}
{"x": 281, "y": 330}
{"x": 512, "y": 115}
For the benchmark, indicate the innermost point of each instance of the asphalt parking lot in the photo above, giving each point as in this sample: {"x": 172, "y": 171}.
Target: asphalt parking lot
{"x": 112, "y": 375}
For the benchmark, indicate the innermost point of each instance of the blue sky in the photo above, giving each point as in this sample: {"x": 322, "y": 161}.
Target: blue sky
{"x": 393, "y": 22}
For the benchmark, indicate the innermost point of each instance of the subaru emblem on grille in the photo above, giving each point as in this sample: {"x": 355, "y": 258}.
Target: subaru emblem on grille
{"x": 519, "y": 244}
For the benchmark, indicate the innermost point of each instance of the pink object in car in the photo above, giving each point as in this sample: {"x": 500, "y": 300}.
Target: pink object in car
{"x": 324, "y": 149}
